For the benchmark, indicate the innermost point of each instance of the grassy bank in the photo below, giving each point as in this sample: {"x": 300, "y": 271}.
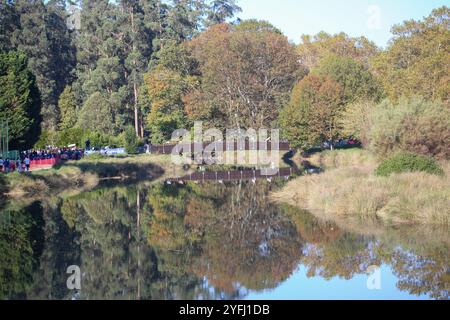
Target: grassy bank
{"x": 78, "y": 176}
{"x": 349, "y": 191}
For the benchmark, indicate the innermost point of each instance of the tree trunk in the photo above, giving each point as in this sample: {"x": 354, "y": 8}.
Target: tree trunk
{"x": 136, "y": 111}
{"x": 135, "y": 91}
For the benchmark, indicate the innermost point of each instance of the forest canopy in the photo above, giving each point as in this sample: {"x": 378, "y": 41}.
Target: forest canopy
{"x": 158, "y": 66}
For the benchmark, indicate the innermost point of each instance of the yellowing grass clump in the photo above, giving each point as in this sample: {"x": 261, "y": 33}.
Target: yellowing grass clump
{"x": 352, "y": 192}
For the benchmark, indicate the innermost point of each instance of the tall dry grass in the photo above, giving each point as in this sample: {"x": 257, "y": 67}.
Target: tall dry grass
{"x": 349, "y": 190}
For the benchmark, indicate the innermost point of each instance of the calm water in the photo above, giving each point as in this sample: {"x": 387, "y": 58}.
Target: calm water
{"x": 209, "y": 241}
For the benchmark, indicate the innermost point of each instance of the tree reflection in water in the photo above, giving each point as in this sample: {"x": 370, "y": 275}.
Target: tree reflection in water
{"x": 205, "y": 241}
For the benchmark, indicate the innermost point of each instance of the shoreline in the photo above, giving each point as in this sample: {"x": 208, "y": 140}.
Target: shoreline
{"x": 349, "y": 192}
{"x": 84, "y": 175}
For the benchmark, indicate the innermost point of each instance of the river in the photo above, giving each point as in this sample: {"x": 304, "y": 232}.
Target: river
{"x": 209, "y": 241}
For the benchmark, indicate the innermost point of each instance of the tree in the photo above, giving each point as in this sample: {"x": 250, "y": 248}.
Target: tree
{"x": 355, "y": 80}
{"x": 311, "y": 116}
{"x": 8, "y": 22}
{"x": 184, "y": 19}
{"x": 220, "y": 10}
{"x": 165, "y": 89}
{"x": 176, "y": 57}
{"x": 416, "y": 61}
{"x": 114, "y": 45}
{"x": 68, "y": 109}
{"x": 254, "y": 25}
{"x": 313, "y": 49}
{"x": 245, "y": 77}
{"x": 97, "y": 115}
{"x": 138, "y": 37}
{"x": 20, "y": 103}
{"x": 39, "y": 29}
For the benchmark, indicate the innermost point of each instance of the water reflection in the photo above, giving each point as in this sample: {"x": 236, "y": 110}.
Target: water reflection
{"x": 200, "y": 241}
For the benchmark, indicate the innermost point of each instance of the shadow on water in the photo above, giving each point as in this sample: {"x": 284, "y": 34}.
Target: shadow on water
{"x": 197, "y": 241}
{"x": 130, "y": 171}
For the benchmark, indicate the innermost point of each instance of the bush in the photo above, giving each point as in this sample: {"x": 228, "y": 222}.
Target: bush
{"x": 356, "y": 120}
{"x": 70, "y": 136}
{"x": 132, "y": 142}
{"x": 408, "y": 162}
{"x": 411, "y": 125}
{"x": 102, "y": 140}
{"x": 78, "y": 136}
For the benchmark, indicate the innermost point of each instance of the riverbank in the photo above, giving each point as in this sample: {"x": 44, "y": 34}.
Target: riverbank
{"x": 83, "y": 175}
{"x": 348, "y": 190}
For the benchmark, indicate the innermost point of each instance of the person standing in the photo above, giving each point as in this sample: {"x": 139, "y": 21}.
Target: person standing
{"x": 19, "y": 165}
{"x": 6, "y": 165}
{"x": 27, "y": 163}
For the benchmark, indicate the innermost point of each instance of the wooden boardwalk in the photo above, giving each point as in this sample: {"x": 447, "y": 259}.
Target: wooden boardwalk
{"x": 234, "y": 175}
{"x": 224, "y": 146}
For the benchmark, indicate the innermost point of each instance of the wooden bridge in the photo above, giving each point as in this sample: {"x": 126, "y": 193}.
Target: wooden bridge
{"x": 222, "y": 145}
{"x": 235, "y": 175}
{"x": 230, "y": 175}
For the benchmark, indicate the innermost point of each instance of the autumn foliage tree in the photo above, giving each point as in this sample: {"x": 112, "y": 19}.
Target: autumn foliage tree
{"x": 312, "y": 115}
{"x": 246, "y": 76}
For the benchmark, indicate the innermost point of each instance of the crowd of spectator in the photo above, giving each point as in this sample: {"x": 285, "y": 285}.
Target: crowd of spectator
{"x": 54, "y": 153}
{"x": 27, "y": 157}
{"x": 21, "y": 165}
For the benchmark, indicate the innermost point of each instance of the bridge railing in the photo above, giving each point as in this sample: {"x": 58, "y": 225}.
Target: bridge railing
{"x": 224, "y": 146}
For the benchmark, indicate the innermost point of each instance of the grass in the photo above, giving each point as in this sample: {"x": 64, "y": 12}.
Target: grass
{"x": 79, "y": 176}
{"x": 349, "y": 191}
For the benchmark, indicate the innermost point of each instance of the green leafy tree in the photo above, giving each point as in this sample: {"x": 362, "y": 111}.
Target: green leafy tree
{"x": 315, "y": 48}
{"x": 8, "y": 22}
{"x": 355, "y": 80}
{"x": 39, "y": 29}
{"x": 165, "y": 89}
{"x": 20, "y": 102}
{"x": 131, "y": 141}
{"x": 68, "y": 109}
{"x": 220, "y": 10}
{"x": 254, "y": 25}
{"x": 416, "y": 61}
{"x": 311, "y": 116}
{"x": 97, "y": 115}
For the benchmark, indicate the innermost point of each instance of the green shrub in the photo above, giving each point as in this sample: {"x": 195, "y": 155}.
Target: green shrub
{"x": 408, "y": 162}
{"x": 78, "y": 136}
{"x": 102, "y": 140}
{"x": 70, "y": 136}
{"x": 132, "y": 142}
{"x": 96, "y": 156}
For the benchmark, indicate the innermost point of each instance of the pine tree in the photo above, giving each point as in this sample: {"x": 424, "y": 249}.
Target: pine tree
{"x": 20, "y": 103}
{"x": 41, "y": 33}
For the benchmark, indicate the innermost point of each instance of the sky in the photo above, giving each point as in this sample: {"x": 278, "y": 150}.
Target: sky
{"x": 371, "y": 18}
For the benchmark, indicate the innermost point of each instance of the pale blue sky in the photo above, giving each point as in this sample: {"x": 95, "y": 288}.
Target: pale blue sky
{"x": 297, "y": 17}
